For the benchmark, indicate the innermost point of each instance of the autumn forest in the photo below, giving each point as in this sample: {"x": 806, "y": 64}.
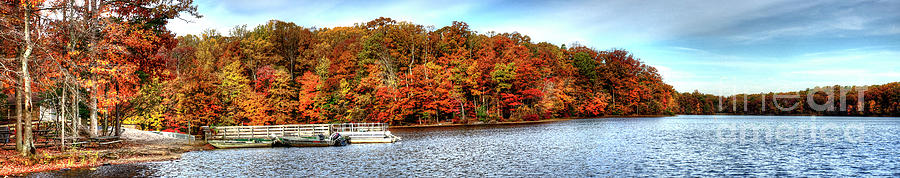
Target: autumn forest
{"x": 112, "y": 62}
{"x": 388, "y": 71}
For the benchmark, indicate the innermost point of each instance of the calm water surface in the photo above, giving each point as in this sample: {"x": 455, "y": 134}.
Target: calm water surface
{"x": 669, "y": 146}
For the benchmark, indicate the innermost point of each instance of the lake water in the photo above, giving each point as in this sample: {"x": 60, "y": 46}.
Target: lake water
{"x": 667, "y": 146}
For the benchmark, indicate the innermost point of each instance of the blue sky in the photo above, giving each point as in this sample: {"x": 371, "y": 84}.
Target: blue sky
{"x": 718, "y": 47}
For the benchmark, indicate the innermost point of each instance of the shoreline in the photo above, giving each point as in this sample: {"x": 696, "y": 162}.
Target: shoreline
{"x": 447, "y": 124}
{"x": 824, "y": 115}
{"x": 521, "y": 122}
{"x": 130, "y": 152}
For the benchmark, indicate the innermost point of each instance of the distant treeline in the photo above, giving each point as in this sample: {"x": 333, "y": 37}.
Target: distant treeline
{"x": 878, "y": 100}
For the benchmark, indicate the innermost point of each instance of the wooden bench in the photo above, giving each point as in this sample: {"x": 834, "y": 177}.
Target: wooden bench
{"x": 109, "y": 143}
{"x": 104, "y": 141}
{"x": 76, "y": 143}
{"x": 106, "y": 138}
{"x": 4, "y": 135}
{"x": 42, "y": 136}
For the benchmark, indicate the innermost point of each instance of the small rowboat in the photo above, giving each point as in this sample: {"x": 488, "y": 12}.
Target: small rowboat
{"x": 366, "y": 132}
{"x": 372, "y": 137}
{"x": 242, "y": 143}
{"x": 313, "y": 141}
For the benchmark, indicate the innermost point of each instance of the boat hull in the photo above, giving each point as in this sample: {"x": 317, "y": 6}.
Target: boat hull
{"x": 371, "y": 137}
{"x": 241, "y": 143}
{"x": 372, "y": 140}
{"x": 310, "y": 142}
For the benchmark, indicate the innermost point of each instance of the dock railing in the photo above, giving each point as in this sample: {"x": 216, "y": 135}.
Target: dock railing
{"x": 361, "y": 127}
{"x": 271, "y": 131}
{"x": 246, "y": 132}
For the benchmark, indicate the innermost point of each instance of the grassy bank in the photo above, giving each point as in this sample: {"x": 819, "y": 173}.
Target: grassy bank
{"x": 49, "y": 159}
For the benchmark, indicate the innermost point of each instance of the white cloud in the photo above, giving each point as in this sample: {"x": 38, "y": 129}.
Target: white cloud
{"x": 850, "y": 23}
{"x": 688, "y": 69}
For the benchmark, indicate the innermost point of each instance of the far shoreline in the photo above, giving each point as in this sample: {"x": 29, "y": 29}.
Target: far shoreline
{"x": 447, "y": 124}
{"x": 521, "y": 122}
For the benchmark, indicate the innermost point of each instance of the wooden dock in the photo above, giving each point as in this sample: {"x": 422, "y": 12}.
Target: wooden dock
{"x": 272, "y": 131}
{"x": 365, "y": 132}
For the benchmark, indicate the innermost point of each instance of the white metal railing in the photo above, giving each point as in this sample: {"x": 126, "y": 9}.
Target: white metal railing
{"x": 361, "y": 127}
{"x": 245, "y": 132}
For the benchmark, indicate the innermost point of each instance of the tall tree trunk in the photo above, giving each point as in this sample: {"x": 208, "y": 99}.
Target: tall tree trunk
{"x": 63, "y": 106}
{"x": 61, "y": 111}
{"x": 463, "y": 108}
{"x": 76, "y": 118}
{"x": 93, "y": 97}
{"x": 91, "y": 7}
{"x": 26, "y": 85}
{"x": 118, "y": 121}
{"x": 105, "y": 125}
{"x": 61, "y": 120}
{"x": 19, "y": 144}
